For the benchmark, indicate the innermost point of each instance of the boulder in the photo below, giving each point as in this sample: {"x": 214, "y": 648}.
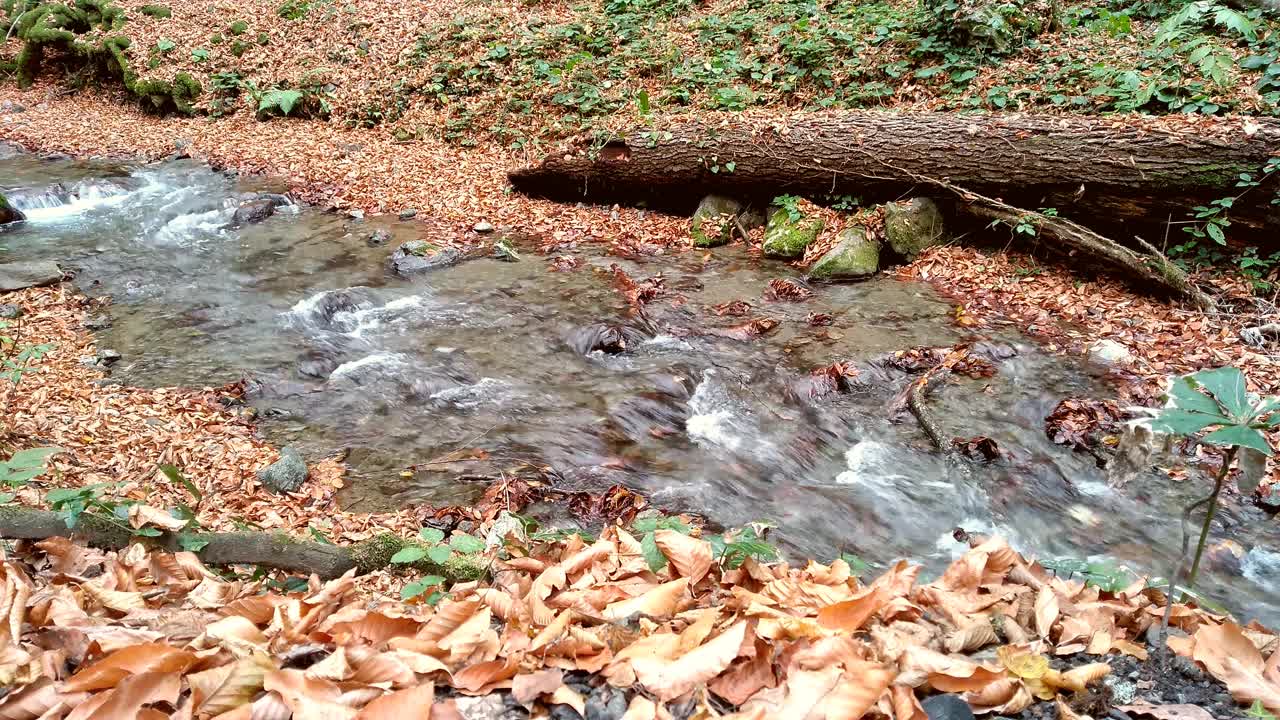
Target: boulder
{"x": 9, "y": 213}
{"x": 712, "y": 223}
{"x": 913, "y": 225}
{"x": 418, "y": 256}
{"x": 34, "y": 273}
{"x": 854, "y": 257}
{"x": 786, "y": 236}
{"x": 286, "y": 474}
{"x": 1109, "y": 353}
{"x": 253, "y": 211}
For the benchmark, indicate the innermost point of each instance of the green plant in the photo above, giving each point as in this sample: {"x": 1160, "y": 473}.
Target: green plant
{"x": 647, "y": 524}
{"x": 435, "y": 550}
{"x": 790, "y": 203}
{"x": 238, "y": 27}
{"x": 1259, "y": 712}
{"x": 734, "y": 547}
{"x": 156, "y": 11}
{"x": 22, "y": 467}
{"x": 200, "y": 55}
{"x": 1102, "y": 574}
{"x": 1216, "y": 400}
{"x": 164, "y": 45}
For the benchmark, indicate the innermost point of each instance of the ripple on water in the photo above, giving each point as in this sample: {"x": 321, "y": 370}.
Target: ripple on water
{"x": 1262, "y": 567}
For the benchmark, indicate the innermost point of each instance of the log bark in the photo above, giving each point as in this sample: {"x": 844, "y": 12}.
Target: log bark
{"x": 1124, "y": 169}
{"x": 268, "y": 549}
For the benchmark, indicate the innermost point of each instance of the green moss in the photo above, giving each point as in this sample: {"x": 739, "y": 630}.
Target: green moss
{"x": 238, "y": 48}
{"x": 787, "y": 237}
{"x": 855, "y": 256}
{"x": 156, "y": 11}
{"x": 376, "y": 553}
{"x": 216, "y": 39}
{"x": 238, "y": 27}
{"x": 264, "y": 39}
{"x": 712, "y": 223}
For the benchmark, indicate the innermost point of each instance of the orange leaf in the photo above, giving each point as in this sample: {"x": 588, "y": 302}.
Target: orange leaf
{"x": 133, "y": 660}
{"x": 852, "y": 614}
{"x": 671, "y": 679}
{"x": 690, "y": 556}
{"x": 409, "y": 703}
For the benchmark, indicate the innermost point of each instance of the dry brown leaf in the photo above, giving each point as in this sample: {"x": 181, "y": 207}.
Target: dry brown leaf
{"x": 1046, "y": 611}
{"x": 133, "y": 660}
{"x": 660, "y": 602}
{"x": 850, "y": 615}
{"x": 227, "y": 687}
{"x": 690, "y": 556}
{"x": 412, "y": 702}
{"x": 127, "y": 699}
{"x": 528, "y": 687}
{"x": 140, "y": 515}
{"x": 118, "y": 600}
{"x": 859, "y": 689}
{"x": 668, "y": 680}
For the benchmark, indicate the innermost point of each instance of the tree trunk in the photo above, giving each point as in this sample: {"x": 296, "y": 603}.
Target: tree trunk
{"x": 268, "y": 549}
{"x": 1108, "y": 170}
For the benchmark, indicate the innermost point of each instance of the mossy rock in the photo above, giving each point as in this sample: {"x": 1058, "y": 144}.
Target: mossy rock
{"x": 854, "y": 257}
{"x": 786, "y": 237}
{"x": 156, "y": 11}
{"x": 9, "y": 213}
{"x": 713, "y": 221}
{"x": 913, "y": 226}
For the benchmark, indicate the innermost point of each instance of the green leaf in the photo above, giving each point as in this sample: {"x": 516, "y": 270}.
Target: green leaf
{"x": 1181, "y": 422}
{"x": 467, "y": 544}
{"x": 857, "y": 565}
{"x": 176, "y": 476}
{"x": 1186, "y": 396}
{"x": 642, "y": 102}
{"x": 164, "y": 45}
{"x": 431, "y": 535}
{"x": 1227, "y": 386}
{"x": 147, "y": 532}
{"x": 414, "y": 589}
{"x": 652, "y": 554}
{"x": 439, "y": 554}
{"x": 1237, "y": 21}
{"x": 319, "y": 536}
{"x": 283, "y": 100}
{"x": 411, "y": 554}
{"x": 191, "y": 544}
{"x": 1241, "y": 435}
{"x": 1215, "y": 232}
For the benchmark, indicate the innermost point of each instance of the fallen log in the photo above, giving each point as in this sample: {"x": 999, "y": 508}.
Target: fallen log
{"x": 267, "y": 549}
{"x": 1112, "y": 170}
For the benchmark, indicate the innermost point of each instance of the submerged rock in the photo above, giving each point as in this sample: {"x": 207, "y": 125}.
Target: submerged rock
{"x": 34, "y": 273}
{"x": 418, "y": 256}
{"x": 9, "y": 213}
{"x": 108, "y": 357}
{"x": 854, "y": 257}
{"x": 254, "y": 211}
{"x": 286, "y": 474}
{"x": 379, "y": 237}
{"x": 912, "y": 226}
{"x": 607, "y": 338}
{"x": 713, "y": 220}
{"x": 786, "y": 236}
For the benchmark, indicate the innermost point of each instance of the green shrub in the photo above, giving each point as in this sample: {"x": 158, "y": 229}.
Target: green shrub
{"x": 156, "y": 11}
{"x": 238, "y": 27}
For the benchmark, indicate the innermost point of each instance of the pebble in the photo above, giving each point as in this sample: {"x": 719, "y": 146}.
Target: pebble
{"x": 484, "y": 226}
{"x": 1109, "y": 353}
{"x": 408, "y": 214}
{"x": 101, "y": 321}
{"x": 1123, "y": 692}
{"x": 107, "y": 356}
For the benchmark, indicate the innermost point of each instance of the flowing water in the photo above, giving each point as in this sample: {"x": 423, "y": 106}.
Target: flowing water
{"x": 497, "y": 355}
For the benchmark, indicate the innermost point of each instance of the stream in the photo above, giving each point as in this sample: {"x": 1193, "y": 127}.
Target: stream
{"x": 341, "y": 353}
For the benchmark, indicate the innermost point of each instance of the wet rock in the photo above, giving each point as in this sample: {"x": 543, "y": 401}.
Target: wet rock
{"x": 10, "y": 107}
{"x": 408, "y": 214}
{"x": 913, "y": 226}
{"x": 253, "y": 211}
{"x": 606, "y": 703}
{"x": 34, "y": 273}
{"x": 786, "y": 237}
{"x": 9, "y": 213}
{"x": 379, "y": 237}
{"x": 318, "y": 367}
{"x": 712, "y": 223}
{"x": 502, "y": 250}
{"x": 854, "y": 257}
{"x": 101, "y": 321}
{"x": 1109, "y": 353}
{"x": 286, "y": 474}
{"x": 947, "y": 707}
{"x": 417, "y": 256}
{"x": 9, "y": 311}
{"x": 1225, "y": 557}
{"x": 483, "y": 227}
{"x": 108, "y": 357}
{"x": 608, "y": 338}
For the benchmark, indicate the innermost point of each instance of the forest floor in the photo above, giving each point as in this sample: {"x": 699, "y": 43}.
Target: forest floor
{"x": 427, "y": 109}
